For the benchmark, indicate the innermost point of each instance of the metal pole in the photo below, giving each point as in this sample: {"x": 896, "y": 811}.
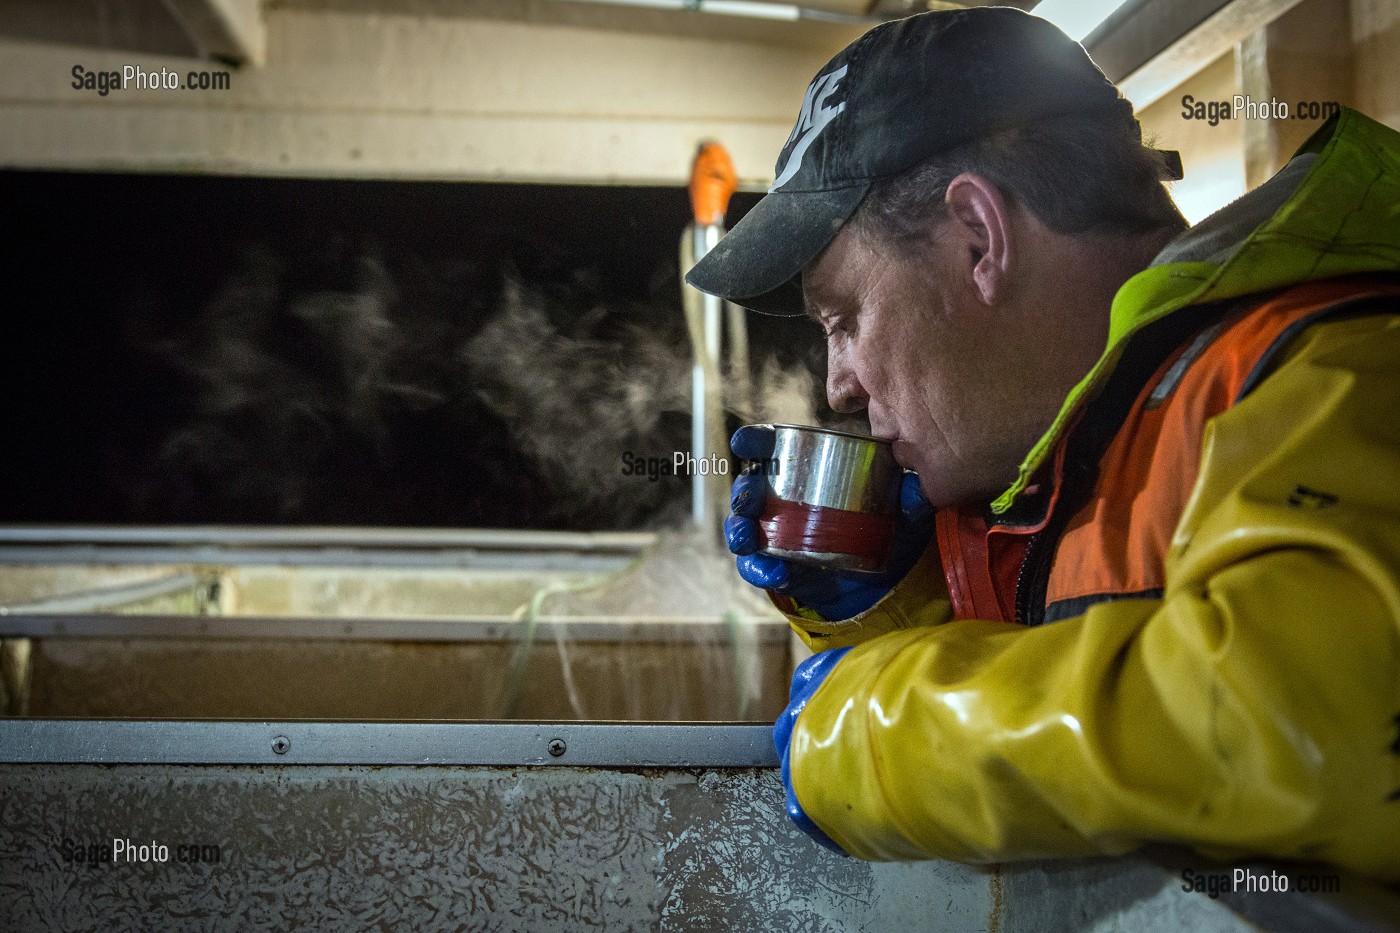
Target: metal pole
{"x": 707, "y": 409}
{"x": 712, "y": 181}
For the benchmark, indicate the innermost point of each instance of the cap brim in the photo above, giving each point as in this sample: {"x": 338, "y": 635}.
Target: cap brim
{"x": 758, "y": 264}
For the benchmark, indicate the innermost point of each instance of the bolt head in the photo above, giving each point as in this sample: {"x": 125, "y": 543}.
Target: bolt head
{"x": 281, "y": 744}
{"x": 557, "y": 747}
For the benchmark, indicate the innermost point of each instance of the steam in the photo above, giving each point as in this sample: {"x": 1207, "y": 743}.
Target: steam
{"x": 508, "y": 403}
{"x": 786, "y": 394}
{"x": 276, "y": 379}
{"x": 576, "y": 401}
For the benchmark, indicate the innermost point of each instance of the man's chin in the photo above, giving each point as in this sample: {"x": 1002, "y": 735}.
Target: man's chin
{"x": 933, "y": 481}
{"x": 935, "y": 487}
{"x": 937, "y": 496}
{"x": 905, "y": 455}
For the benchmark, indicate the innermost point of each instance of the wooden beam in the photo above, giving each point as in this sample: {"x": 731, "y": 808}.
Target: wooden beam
{"x": 407, "y": 96}
{"x": 231, "y": 31}
{"x": 1151, "y": 47}
{"x": 1304, "y": 55}
{"x": 143, "y": 26}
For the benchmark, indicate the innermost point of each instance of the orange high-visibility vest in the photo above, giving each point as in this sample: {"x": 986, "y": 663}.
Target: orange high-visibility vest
{"x": 1099, "y": 525}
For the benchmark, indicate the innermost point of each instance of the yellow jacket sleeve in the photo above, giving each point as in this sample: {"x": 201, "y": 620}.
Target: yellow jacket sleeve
{"x": 1254, "y": 709}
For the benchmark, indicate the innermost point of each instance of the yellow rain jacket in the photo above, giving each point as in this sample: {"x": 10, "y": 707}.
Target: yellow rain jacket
{"x": 1203, "y": 643}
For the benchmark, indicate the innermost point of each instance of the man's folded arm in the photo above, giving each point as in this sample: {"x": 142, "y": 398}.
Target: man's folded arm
{"x": 1251, "y": 709}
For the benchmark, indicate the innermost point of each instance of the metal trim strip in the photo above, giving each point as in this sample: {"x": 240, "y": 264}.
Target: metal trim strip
{"x": 229, "y": 742}
{"x": 762, "y": 631}
{"x": 316, "y": 537}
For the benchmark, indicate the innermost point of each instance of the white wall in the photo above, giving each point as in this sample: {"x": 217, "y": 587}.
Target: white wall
{"x": 1375, "y": 37}
{"x": 1303, "y": 56}
{"x": 349, "y": 93}
{"x": 1212, "y": 156}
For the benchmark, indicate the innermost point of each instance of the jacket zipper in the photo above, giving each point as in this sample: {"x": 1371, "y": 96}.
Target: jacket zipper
{"x": 1033, "y": 579}
{"x": 1030, "y": 569}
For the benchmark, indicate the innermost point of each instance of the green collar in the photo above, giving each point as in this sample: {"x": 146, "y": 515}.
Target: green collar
{"x": 1341, "y": 219}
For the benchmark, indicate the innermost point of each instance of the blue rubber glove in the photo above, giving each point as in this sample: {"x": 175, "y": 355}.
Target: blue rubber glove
{"x": 805, "y": 681}
{"x": 834, "y": 594}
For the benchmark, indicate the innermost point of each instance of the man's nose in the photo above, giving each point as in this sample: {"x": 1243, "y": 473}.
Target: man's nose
{"x": 844, "y": 393}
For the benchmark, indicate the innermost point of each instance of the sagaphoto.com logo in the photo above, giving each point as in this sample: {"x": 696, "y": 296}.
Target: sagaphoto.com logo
{"x": 1243, "y": 107}
{"x": 136, "y": 78}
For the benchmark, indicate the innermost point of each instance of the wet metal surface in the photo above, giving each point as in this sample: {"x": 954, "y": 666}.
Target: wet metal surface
{"x": 512, "y": 849}
{"x": 438, "y": 848}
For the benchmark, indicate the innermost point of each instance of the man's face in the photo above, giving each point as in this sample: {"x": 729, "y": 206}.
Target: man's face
{"x": 908, "y": 341}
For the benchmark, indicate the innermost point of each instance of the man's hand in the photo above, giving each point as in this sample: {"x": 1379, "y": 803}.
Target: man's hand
{"x": 834, "y": 594}
{"x": 805, "y": 681}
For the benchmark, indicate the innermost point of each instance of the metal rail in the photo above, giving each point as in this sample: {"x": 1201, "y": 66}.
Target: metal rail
{"x": 471, "y": 548}
{"x": 227, "y": 742}
{"x": 345, "y": 536}
{"x": 765, "y": 631}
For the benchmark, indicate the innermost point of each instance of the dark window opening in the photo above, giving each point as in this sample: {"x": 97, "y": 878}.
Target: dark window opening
{"x": 193, "y": 349}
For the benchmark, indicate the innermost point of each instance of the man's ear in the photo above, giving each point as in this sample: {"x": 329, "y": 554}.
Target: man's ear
{"x": 980, "y": 218}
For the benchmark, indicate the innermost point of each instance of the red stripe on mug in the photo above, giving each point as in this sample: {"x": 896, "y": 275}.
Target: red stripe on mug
{"x": 794, "y": 526}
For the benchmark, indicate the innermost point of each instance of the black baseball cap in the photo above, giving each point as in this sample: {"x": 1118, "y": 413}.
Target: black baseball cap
{"x": 899, "y": 94}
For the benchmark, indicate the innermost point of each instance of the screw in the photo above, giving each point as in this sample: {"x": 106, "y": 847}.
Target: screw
{"x": 281, "y": 744}
{"x": 557, "y": 747}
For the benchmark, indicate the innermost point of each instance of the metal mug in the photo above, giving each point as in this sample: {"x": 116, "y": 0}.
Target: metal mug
{"x": 832, "y": 498}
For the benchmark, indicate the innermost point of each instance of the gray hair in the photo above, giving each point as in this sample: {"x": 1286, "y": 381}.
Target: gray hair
{"x": 1078, "y": 175}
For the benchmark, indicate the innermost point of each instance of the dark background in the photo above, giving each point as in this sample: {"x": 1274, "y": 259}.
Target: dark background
{"x": 131, "y": 295}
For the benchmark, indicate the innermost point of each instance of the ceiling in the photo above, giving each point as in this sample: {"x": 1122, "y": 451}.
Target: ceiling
{"x": 211, "y": 28}
{"x": 1146, "y": 46}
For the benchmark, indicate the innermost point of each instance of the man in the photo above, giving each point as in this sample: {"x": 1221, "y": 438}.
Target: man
{"x": 1162, "y": 600}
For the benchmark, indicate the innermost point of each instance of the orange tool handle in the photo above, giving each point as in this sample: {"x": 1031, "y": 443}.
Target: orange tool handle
{"x": 712, "y": 181}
